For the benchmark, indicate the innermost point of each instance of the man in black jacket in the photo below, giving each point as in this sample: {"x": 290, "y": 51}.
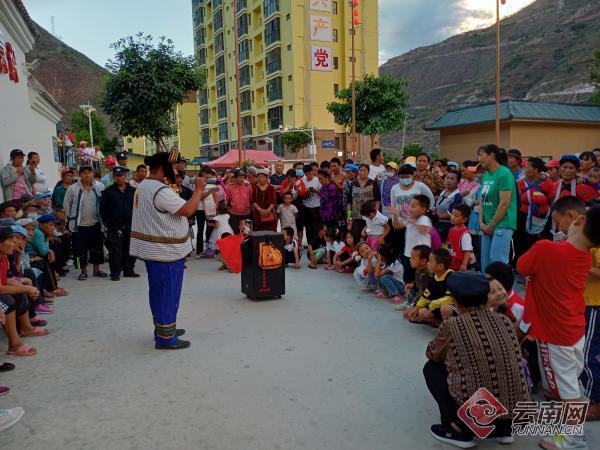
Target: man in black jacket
{"x": 116, "y": 206}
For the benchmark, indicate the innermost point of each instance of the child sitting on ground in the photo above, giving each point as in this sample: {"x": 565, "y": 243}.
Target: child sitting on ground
{"x": 344, "y": 260}
{"x": 460, "y": 244}
{"x": 292, "y": 253}
{"x": 364, "y": 274}
{"x": 376, "y": 225}
{"x": 419, "y": 257}
{"x": 220, "y": 224}
{"x": 389, "y": 273}
{"x": 436, "y": 303}
{"x": 333, "y": 246}
{"x": 288, "y": 212}
{"x": 317, "y": 248}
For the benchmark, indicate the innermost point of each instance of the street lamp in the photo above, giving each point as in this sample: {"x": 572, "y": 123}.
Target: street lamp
{"x": 88, "y": 110}
{"x": 312, "y": 149}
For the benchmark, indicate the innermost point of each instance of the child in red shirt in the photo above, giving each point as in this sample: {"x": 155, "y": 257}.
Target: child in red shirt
{"x": 555, "y": 307}
{"x": 460, "y": 244}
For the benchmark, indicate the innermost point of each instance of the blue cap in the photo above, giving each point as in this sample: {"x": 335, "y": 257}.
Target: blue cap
{"x": 48, "y": 218}
{"x": 351, "y": 168}
{"x": 574, "y": 159}
{"x": 120, "y": 170}
{"x": 468, "y": 286}
{"x": 452, "y": 163}
{"x": 19, "y": 230}
{"x": 40, "y": 195}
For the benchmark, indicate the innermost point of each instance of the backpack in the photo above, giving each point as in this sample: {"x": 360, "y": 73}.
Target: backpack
{"x": 269, "y": 257}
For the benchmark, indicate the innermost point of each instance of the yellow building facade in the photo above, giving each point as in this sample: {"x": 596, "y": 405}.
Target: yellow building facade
{"x": 293, "y": 56}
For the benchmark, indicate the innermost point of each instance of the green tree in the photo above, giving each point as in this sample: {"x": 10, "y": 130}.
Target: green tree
{"x": 295, "y": 140}
{"x": 145, "y": 83}
{"x": 595, "y": 77}
{"x": 412, "y": 149}
{"x": 380, "y": 105}
{"x": 80, "y": 128}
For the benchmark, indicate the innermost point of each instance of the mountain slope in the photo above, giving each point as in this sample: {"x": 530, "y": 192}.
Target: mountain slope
{"x": 546, "y": 51}
{"x": 68, "y": 75}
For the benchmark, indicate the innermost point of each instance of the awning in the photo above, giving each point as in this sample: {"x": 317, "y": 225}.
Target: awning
{"x": 255, "y": 157}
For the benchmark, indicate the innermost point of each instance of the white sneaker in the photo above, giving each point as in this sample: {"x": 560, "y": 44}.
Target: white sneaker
{"x": 8, "y": 417}
{"x": 559, "y": 441}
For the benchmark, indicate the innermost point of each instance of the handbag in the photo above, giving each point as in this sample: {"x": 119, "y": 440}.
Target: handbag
{"x": 269, "y": 257}
{"x": 268, "y": 218}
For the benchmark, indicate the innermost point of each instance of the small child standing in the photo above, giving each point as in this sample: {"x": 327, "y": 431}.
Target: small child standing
{"x": 460, "y": 244}
{"x": 419, "y": 257}
{"x": 389, "y": 273}
{"x": 364, "y": 274}
{"x": 436, "y": 303}
{"x": 555, "y": 308}
{"x": 288, "y": 212}
{"x": 376, "y": 228}
{"x": 344, "y": 260}
{"x": 292, "y": 253}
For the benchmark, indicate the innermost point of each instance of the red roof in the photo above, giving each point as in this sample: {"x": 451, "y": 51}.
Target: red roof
{"x": 256, "y": 157}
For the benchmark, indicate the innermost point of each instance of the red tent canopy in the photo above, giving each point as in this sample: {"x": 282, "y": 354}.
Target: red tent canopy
{"x": 256, "y": 157}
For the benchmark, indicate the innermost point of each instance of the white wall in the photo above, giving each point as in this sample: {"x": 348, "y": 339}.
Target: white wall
{"x": 20, "y": 126}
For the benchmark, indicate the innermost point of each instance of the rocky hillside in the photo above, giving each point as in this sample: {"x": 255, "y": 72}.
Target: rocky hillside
{"x": 71, "y": 77}
{"x": 546, "y": 55}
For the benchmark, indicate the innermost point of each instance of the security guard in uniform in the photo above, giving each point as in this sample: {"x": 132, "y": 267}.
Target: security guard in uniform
{"x": 122, "y": 161}
{"x": 116, "y": 206}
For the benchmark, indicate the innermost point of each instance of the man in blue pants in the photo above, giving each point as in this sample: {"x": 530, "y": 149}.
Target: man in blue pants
{"x": 160, "y": 237}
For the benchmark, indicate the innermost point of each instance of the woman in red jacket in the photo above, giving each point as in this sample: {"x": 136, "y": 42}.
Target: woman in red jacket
{"x": 536, "y": 192}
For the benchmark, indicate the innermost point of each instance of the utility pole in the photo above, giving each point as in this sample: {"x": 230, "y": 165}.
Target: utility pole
{"x": 498, "y": 71}
{"x": 88, "y": 110}
{"x": 354, "y": 25}
{"x": 237, "y": 86}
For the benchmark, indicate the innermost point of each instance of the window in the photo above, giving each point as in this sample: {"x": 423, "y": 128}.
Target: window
{"x": 291, "y": 107}
{"x": 246, "y": 125}
{"x": 224, "y": 148}
{"x": 219, "y": 46}
{"x": 204, "y": 118}
{"x": 334, "y": 8}
{"x": 218, "y": 20}
{"x": 216, "y": 3}
{"x": 272, "y": 31}
{"x": 350, "y": 59}
{"x": 200, "y": 37}
{"x": 245, "y": 104}
{"x": 129, "y": 140}
{"x": 289, "y": 78}
{"x": 336, "y": 88}
{"x": 206, "y": 136}
{"x": 203, "y": 96}
{"x": 240, "y": 4}
{"x": 243, "y": 51}
{"x": 288, "y": 17}
{"x": 223, "y": 131}
{"x": 289, "y": 47}
{"x": 198, "y": 17}
{"x": 275, "y": 117}
{"x": 271, "y": 7}
{"x": 335, "y": 62}
{"x": 130, "y": 150}
{"x": 220, "y": 65}
{"x": 221, "y": 87}
{"x": 335, "y": 35}
{"x": 337, "y": 142}
{"x": 273, "y": 60}
{"x": 242, "y": 24}
{"x": 244, "y": 76}
{"x": 201, "y": 56}
{"x": 274, "y": 89}
{"x": 222, "y": 109}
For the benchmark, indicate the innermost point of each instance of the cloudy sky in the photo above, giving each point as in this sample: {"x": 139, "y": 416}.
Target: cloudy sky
{"x": 90, "y": 26}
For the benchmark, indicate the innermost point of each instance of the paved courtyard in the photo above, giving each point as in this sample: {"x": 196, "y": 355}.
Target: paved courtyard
{"x": 326, "y": 368}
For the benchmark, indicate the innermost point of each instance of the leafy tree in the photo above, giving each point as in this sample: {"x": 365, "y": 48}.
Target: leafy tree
{"x": 145, "y": 83}
{"x": 412, "y": 149}
{"x": 380, "y": 105}
{"x": 391, "y": 158}
{"x": 595, "y": 77}
{"x": 80, "y": 128}
{"x": 295, "y": 140}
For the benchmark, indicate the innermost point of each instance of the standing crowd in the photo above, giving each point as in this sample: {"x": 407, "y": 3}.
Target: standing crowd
{"x": 450, "y": 245}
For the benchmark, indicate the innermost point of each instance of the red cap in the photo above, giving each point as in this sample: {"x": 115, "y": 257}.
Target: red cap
{"x": 66, "y": 171}
{"x": 82, "y": 142}
{"x": 110, "y": 160}
{"x": 553, "y": 163}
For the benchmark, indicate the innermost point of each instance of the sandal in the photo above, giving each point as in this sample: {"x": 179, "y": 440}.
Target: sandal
{"x": 100, "y": 274}
{"x": 60, "y": 292}
{"x": 311, "y": 267}
{"x": 23, "y": 350}
{"x": 6, "y": 367}
{"x": 38, "y": 322}
{"x": 83, "y": 277}
{"x": 36, "y": 331}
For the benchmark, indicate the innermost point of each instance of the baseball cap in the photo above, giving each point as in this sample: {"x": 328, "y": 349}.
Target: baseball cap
{"x": 253, "y": 170}
{"x": 48, "y": 218}
{"x": 7, "y": 222}
{"x": 239, "y": 173}
{"x": 468, "y": 286}
{"x": 19, "y": 230}
{"x": 84, "y": 167}
{"x": 392, "y": 164}
{"x": 16, "y": 152}
{"x": 120, "y": 170}
{"x": 6, "y": 232}
{"x": 25, "y": 221}
{"x": 121, "y": 155}
{"x": 573, "y": 159}
{"x": 516, "y": 153}
{"x": 262, "y": 172}
{"x": 553, "y": 163}
{"x": 25, "y": 198}
{"x": 82, "y": 142}
{"x": 66, "y": 171}
{"x": 452, "y": 163}
{"x": 110, "y": 160}
{"x": 43, "y": 195}
{"x": 351, "y": 168}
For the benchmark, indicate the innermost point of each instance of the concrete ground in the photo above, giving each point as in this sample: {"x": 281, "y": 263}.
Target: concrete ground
{"x": 326, "y": 368}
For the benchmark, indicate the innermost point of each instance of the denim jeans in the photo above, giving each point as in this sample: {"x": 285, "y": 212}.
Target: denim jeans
{"x": 496, "y": 247}
{"x": 391, "y": 285}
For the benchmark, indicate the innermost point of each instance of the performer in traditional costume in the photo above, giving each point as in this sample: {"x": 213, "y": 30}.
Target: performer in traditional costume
{"x": 160, "y": 237}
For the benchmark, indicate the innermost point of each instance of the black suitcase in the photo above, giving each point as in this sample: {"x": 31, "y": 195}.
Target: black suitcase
{"x": 259, "y": 284}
